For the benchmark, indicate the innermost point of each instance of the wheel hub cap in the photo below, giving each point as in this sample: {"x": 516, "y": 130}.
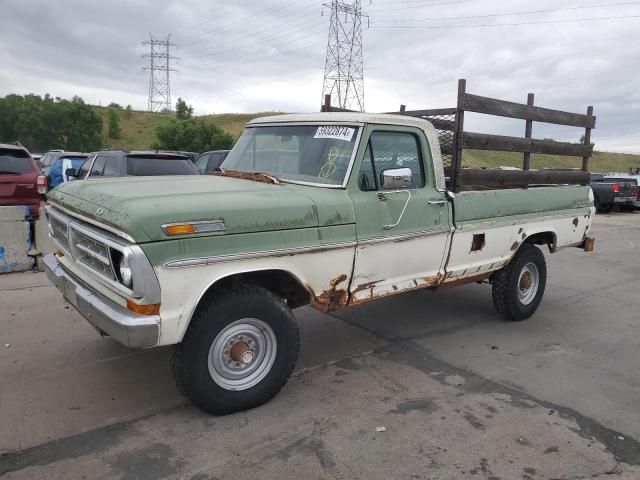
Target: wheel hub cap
{"x": 242, "y": 354}
{"x": 528, "y": 283}
{"x": 525, "y": 281}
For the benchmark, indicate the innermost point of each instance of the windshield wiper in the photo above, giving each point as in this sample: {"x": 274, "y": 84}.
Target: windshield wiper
{"x": 4, "y": 172}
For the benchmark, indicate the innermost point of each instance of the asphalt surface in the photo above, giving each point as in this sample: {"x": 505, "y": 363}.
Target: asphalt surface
{"x": 420, "y": 385}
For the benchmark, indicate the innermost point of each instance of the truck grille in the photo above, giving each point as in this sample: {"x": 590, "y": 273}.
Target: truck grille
{"x": 91, "y": 252}
{"x": 59, "y": 231}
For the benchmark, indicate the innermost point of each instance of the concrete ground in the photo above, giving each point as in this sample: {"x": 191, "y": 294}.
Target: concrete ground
{"x": 421, "y": 385}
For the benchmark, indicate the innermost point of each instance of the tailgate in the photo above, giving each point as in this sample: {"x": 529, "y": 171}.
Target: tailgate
{"x": 7, "y": 187}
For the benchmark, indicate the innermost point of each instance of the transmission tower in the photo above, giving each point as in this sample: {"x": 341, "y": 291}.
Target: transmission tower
{"x": 159, "y": 66}
{"x": 343, "y": 69}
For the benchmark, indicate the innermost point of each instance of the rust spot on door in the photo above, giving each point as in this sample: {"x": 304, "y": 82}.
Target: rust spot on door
{"x": 463, "y": 281}
{"x": 515, "y": 246}
{"x": 575, "y": 222}
{"x": 333, "y": 298}
{"x": 418, "y": 283}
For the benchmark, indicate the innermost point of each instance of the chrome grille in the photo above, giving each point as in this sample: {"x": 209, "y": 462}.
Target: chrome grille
{"x": 59, "y": 231}
{"x": 92, "y": 253}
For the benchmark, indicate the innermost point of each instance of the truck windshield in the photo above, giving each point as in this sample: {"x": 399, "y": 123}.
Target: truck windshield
{"x": 317, "y": 154}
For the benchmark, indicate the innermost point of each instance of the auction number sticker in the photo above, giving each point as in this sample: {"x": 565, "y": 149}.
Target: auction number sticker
{"x": 336, "y": 132}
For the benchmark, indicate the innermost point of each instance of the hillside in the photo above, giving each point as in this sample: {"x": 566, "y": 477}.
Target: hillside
{"x": 139, "y": 133}
{"x": 138, "y": 129}
{"x": 600, "y": 161}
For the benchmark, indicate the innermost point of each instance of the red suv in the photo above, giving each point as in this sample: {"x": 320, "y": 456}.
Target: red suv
{"x": 21, "y": 182}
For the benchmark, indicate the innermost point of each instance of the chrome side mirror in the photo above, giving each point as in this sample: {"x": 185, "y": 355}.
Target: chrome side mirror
{"x": 396, "y": 178}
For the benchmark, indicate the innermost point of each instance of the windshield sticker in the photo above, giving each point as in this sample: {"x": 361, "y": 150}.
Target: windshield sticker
{"x": 336, "y": 132}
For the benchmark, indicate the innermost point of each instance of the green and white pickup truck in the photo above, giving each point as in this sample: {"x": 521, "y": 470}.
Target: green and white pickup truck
{"x": 328, "y": 209}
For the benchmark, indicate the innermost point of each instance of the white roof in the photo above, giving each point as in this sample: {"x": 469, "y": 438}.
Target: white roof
{"x": 350, "y": 117}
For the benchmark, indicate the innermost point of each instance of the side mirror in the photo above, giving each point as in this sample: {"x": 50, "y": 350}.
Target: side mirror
{"x": 396, "y": 178}
{"x": 70, "y": 173}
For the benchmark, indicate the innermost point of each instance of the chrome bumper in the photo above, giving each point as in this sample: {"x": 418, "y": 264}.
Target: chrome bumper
{"x": 128, "y": 328}
{"x": 625, "y": 200}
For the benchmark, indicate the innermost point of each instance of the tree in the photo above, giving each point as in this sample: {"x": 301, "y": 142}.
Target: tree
{"x": 45, "y": 123}
{"x": 115, "y": 105}
{"x": 183, "y": 111}
{"x": 82, "y": 126}
{"x": 114, "y": 130}
{"x": 193, "y": 135}
{"x": 128, "y": 112}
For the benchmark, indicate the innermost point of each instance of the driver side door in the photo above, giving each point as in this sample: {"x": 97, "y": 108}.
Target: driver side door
{"x": 403, "y": 228}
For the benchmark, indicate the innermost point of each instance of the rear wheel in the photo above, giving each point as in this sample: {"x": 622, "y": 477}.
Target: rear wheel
{"x": 518, "y": 288}
{"x": 238, "y": 352}
{"x": 603, "y": 207}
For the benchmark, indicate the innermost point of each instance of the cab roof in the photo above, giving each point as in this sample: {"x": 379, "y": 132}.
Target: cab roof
{"x": 347, "y": 117}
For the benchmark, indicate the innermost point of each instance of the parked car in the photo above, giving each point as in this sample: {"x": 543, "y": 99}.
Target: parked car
{"x": 21, "y": 182}
{"x": 326, "y": 209}
{"x": 609, "y": 193}
{"x": 48, "y": 158}
{"x": 56, "y": 172}
{"x": 123, "y": 163}
{"x": 209, "y": 161}
{"x": 193, "y": 156}
{"x": 634, "y": 179}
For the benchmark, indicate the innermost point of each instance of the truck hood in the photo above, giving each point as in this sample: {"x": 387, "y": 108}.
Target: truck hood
{"x": 138, "y": 206}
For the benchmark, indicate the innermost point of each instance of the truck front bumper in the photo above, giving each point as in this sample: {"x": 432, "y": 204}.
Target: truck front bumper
{"x": 128, "y": 328}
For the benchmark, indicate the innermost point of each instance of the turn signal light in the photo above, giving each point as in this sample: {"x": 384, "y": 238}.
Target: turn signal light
{"x": 153, "y": 309}
{"x": 179, "y": 229}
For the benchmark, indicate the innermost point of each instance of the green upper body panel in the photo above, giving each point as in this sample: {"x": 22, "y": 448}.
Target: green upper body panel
{"x": 138, "y": 206}
{"x": 495, "y": 205}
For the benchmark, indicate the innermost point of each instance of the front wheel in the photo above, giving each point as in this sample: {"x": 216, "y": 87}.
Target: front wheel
{"x": 238, "y": 351}
{"x": 518, "y": 288}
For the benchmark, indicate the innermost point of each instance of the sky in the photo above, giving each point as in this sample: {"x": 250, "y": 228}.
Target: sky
{"x": 249, "y": 56}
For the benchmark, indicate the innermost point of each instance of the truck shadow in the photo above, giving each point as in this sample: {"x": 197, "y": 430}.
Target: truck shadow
{"x": 424, "y": 313}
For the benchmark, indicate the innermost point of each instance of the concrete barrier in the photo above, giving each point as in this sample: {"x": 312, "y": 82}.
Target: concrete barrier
{"x": 15, "y": 240}
{"x": 43, "y": 244}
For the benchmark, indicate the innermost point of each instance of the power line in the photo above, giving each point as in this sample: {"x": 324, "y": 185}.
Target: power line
{"x": 528, "y": 12}
{"x": 304, "y": 27}
{"x": 224, "y": 34}
{"x": 232, "y": 24}
{"x": 159, "y": 67}
{"x": 407, "y": 2}
{"x": 418, "y": 6}
{"x": 343, "y": 68}
{"x": 489, "y": 25}
{"x": 260, "y": 55}
{"x": 258, "y": 59}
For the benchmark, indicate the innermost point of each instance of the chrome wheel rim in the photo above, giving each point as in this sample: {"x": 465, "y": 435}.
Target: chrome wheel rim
{"x": 242, "y": 354}
{"x": 528, "y": 283}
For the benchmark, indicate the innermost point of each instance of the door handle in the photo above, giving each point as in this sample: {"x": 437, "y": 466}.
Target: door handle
{"x": 382, "y": 196}
{"x": 442, "y": 203}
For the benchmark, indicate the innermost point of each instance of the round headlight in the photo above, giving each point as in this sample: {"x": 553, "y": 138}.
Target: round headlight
{"x": 125, "y": 272}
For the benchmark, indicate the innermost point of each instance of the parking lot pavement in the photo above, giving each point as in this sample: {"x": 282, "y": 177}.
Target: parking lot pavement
{"x": 459, "y": 392}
